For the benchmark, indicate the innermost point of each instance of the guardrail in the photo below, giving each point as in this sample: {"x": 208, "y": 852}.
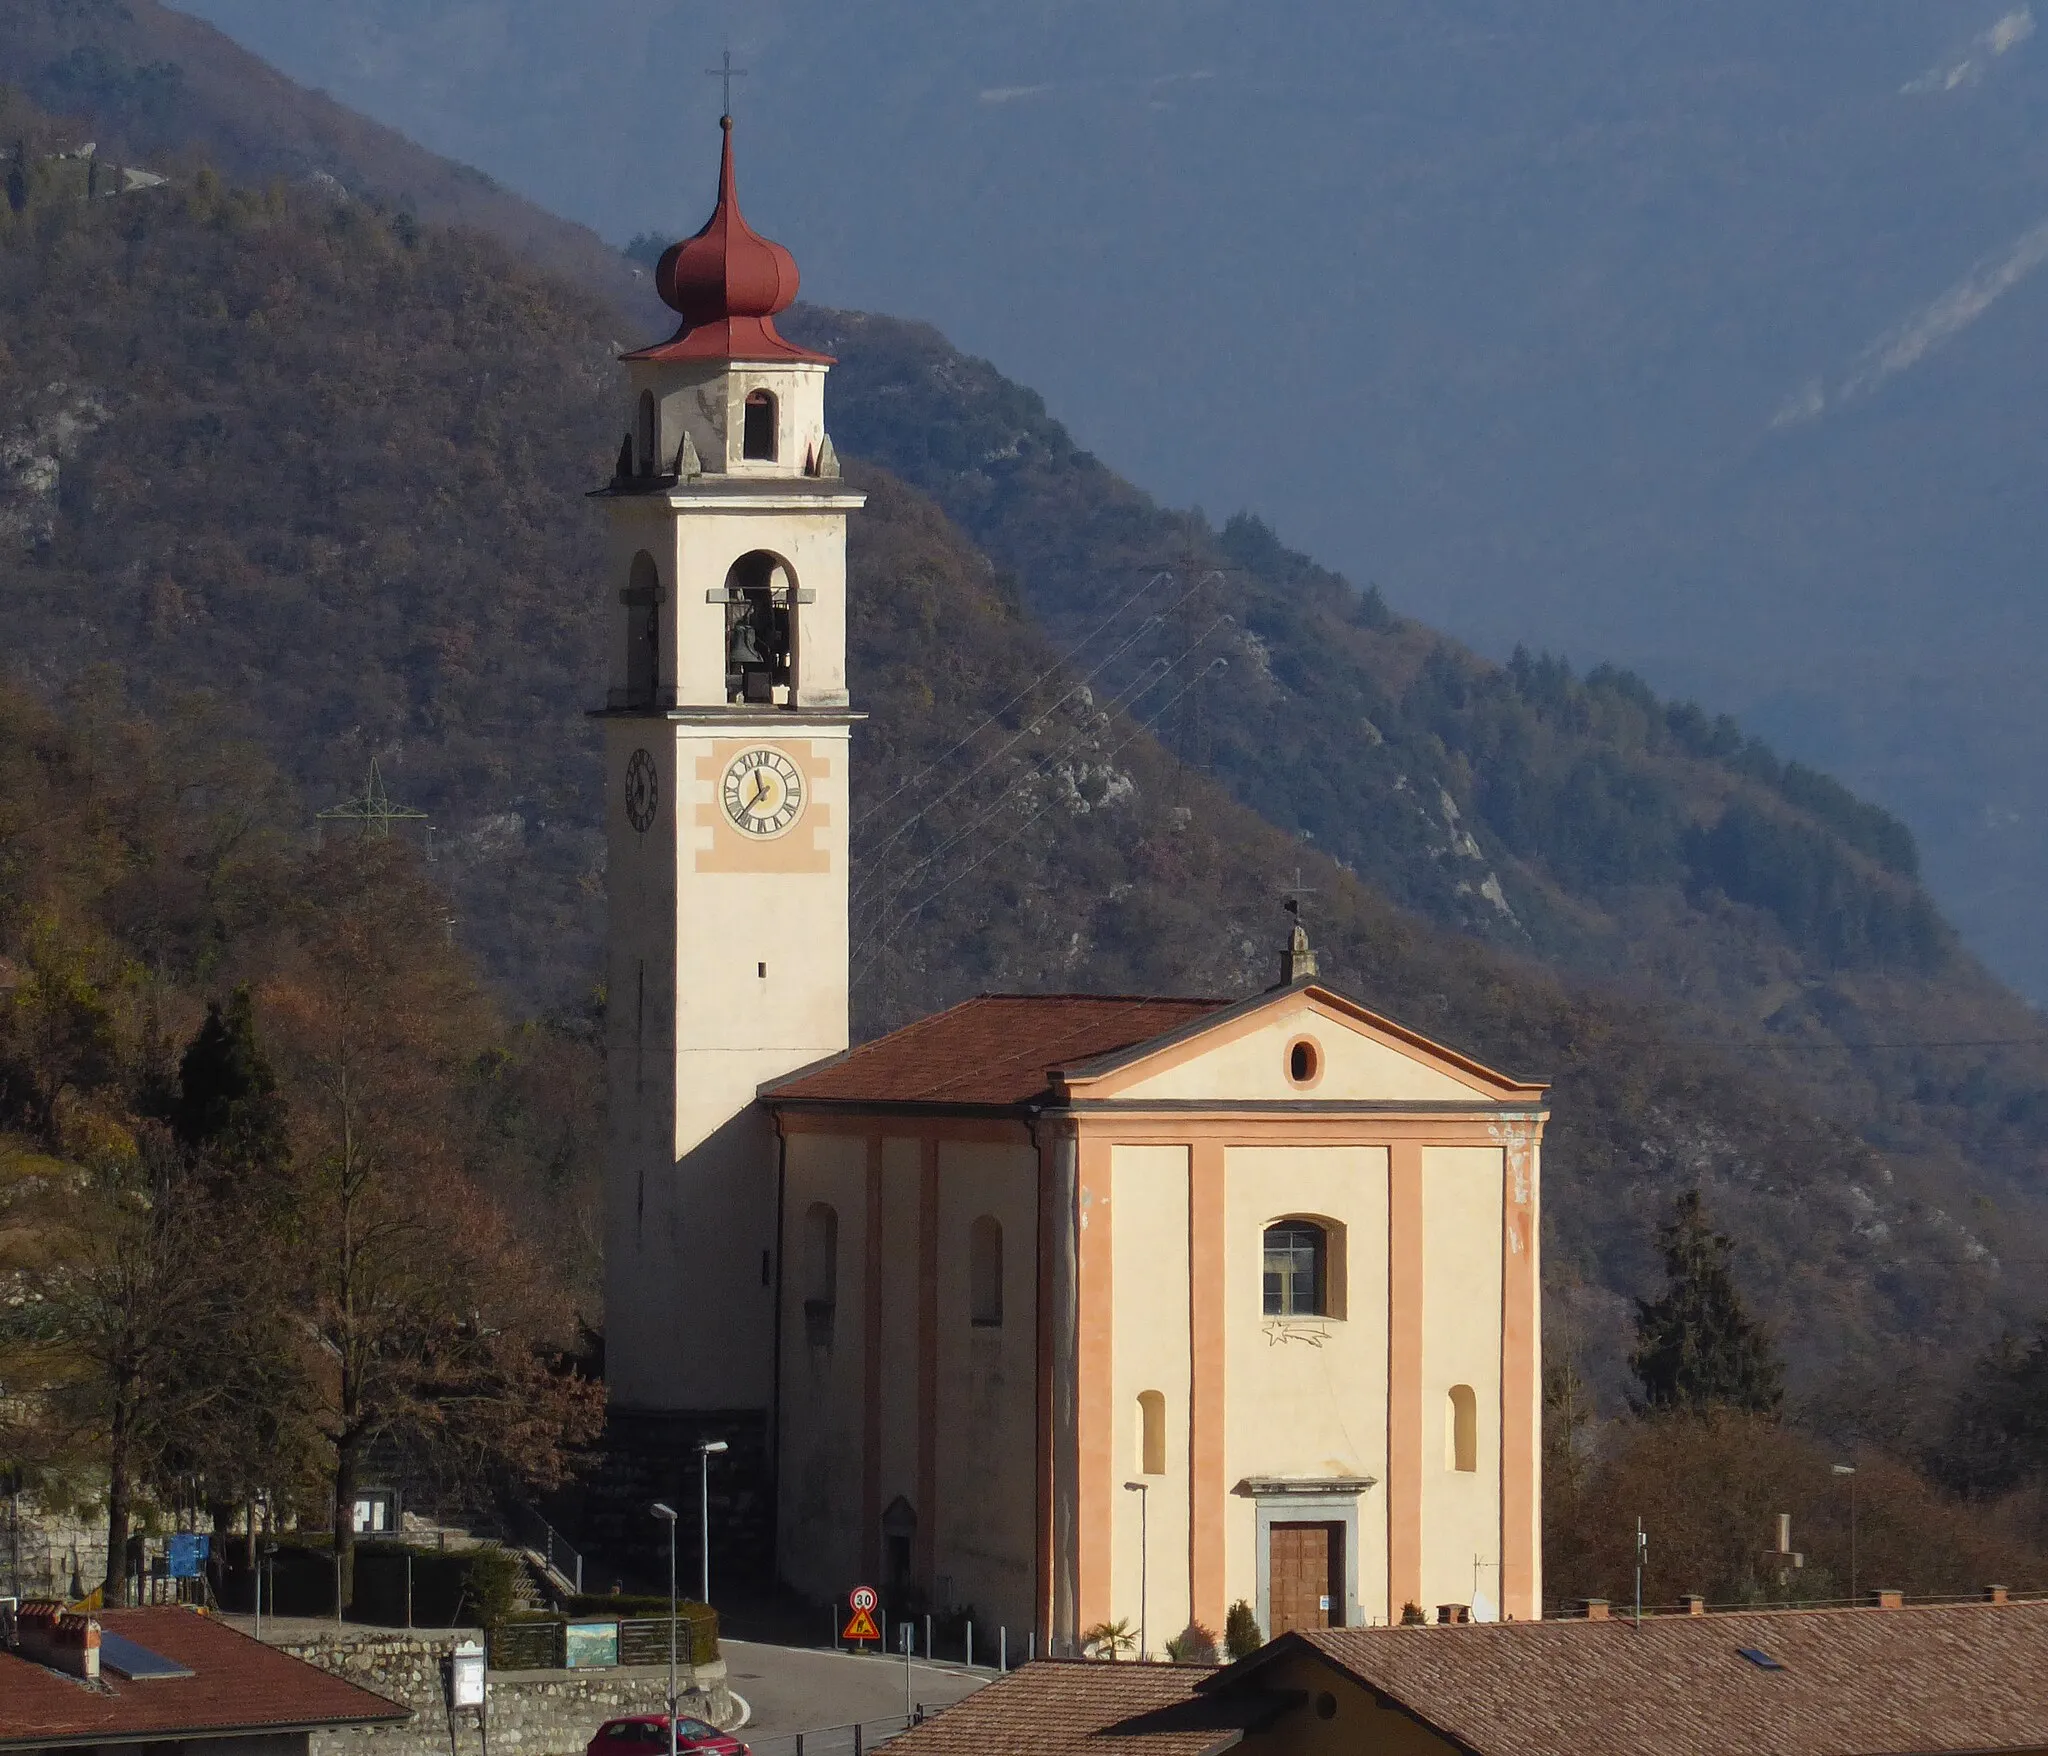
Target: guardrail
{"x": 556, "y": 1553}
{"x": 846, "y": 1740}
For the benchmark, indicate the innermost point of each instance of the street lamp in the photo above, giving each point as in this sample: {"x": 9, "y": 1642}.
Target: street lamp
{"x": 705, "y": 1447}
{"x": 667, "y": 1514}
{"x": 1849, "y": 1470}
{"x": 1142, "y": 1490}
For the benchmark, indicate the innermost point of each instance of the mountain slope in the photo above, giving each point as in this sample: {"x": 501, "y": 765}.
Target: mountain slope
{"x": 149, "y": 81}
{"x": 1583, "y": 821}
{"x": 326, "y": 464}
{"x": 1702, "y": 341}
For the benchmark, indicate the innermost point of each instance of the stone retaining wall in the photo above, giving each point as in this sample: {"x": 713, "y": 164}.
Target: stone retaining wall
{"x": 532, "y": 1713}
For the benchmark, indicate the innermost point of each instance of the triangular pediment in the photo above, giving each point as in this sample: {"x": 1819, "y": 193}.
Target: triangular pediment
{"x": 1305, "y": 1043}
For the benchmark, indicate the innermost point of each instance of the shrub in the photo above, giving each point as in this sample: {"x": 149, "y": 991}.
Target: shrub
{"x": 1241, "y": 1636}
{"x": 1193, "y": 1645}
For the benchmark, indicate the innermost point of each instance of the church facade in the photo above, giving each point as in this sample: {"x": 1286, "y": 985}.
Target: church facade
{"x": 1074, "y": 1309}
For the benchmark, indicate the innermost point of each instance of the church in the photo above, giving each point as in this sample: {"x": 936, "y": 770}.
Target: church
{"x": 1075, "y": 1309}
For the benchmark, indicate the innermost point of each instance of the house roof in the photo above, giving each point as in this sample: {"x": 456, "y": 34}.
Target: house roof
{"x": 238, "y": 1684}
{"x": 1926, "y": 1680}
{"x": 1074, "y": 1707}
{"x": 1854, "y": 1682}
{"x": 998, "y": 1051}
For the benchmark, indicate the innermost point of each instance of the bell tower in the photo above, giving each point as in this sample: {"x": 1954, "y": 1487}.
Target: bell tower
{"x": 726, "y": 729}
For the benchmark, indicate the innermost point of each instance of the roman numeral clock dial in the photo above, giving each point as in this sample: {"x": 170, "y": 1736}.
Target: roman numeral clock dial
{"x": 763, "y": 792}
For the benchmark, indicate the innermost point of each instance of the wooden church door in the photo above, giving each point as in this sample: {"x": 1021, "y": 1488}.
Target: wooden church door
{"x": 1306, "y": 1587}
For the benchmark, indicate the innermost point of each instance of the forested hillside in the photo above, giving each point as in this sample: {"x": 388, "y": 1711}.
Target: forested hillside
{"x": 145, "y": 82}
{"x": 1627, "y": 840}
{"x": 323, "y": 464}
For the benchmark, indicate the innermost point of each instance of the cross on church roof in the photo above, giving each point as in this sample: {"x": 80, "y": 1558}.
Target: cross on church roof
{"x": 726, "y": 72}
{"x": 1291, "y": 894}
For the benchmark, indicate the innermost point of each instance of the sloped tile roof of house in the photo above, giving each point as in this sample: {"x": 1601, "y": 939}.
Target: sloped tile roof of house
{"x": 1853, "y": 1682}
{"x": 238, "y": 1684}
{"x": 1925, "y": 1680}
{"x": 995, "y": 1051}
{"x": 1070, "y": 1707}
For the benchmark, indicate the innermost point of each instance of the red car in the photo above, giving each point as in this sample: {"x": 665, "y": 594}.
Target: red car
{"x": 646, "y": 1734}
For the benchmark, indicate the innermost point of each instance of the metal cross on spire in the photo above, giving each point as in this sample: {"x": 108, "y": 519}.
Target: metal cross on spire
{"x": 726, "y": 72}
{"x": 1291, "y": 894}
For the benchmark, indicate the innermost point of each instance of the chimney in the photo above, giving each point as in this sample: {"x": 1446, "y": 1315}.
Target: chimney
{"x": 1594, "y": 1609}
{"x": 1995, "y": 1594}
{"x": 1692, "y": 1604}
{"x": 1446, "y": 1614}
{"x": 1887, "y": 1600}
{"x": 51, "y": 1635}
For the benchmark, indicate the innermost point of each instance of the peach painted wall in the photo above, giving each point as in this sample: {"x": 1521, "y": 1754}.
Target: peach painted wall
{"x": 1150, "y": 1351}
{"x": 1254, "y": 1067}
{"x": 986, "y": 1430}
{"x": 1306, "y": 1398}
{"x": 1461, "y": 1345}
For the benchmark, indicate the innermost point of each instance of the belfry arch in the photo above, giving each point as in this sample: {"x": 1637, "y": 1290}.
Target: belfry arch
{"x": 762, "y": 630}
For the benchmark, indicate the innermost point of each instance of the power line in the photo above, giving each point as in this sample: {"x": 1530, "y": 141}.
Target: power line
{"x": 1021, "y": 733}
{"x": 994, "y": 848}
{"x": 1132, "y": 692}
{"x": 1057, "y": 664}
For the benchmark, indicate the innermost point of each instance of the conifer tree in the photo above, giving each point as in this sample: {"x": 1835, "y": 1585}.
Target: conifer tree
{"x": 1697, "y": 1349}
{"x": 229, "y": 1107}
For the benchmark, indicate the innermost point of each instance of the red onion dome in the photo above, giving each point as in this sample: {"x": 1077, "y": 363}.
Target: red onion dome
{"x": 726, "y": 284}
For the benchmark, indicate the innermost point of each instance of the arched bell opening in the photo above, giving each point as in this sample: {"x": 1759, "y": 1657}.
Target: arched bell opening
{"x": 761, "y": 600}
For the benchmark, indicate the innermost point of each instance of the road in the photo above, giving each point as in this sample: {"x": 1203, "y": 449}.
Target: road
{"x": 794, "y": 1689}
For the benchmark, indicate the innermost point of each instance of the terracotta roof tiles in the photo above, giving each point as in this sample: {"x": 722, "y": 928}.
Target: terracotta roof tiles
{"x": 238, "y": 1685}
{"x": 1926, "y": 1680}
{"x": 1922, "y": 1679}
{"x": 1073, "y": 1707}
{"x": 994, "y": 1051}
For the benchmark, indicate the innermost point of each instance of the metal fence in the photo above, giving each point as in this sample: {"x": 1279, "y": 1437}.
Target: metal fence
{"x": 847, "y": 1740}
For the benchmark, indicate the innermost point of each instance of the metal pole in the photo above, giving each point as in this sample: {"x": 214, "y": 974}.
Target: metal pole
{"x": 970, "y": 1646}
{"x": 1642, "y": 1549}
{"x": 408, "y": 1588}
{"x": 668, "y": 1515}
{"x": 1144, "y": 1569}
{"x": 927, "y": 1636}
{"x": 1003, "y": 1650}
{"x": 705, "y": 1447}
{"x": 1143, "y": 1491}
{"x": 909, "y": 1640}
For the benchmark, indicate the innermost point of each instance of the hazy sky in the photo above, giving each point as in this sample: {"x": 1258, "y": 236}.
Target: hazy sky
{"x": 1700, "y": 338}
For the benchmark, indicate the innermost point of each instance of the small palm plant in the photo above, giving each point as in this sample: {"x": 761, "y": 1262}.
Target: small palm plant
{"x": 1110, "y": 1640}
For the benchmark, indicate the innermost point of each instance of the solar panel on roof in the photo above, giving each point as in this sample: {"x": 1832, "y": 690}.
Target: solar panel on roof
{"x": 124, "y": 1658}
{"x": 1760, "y": 1658}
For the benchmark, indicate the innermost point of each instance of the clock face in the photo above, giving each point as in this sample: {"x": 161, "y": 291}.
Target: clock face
{"x": 643, "y": 790}
{"x": 763, "y": 792}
